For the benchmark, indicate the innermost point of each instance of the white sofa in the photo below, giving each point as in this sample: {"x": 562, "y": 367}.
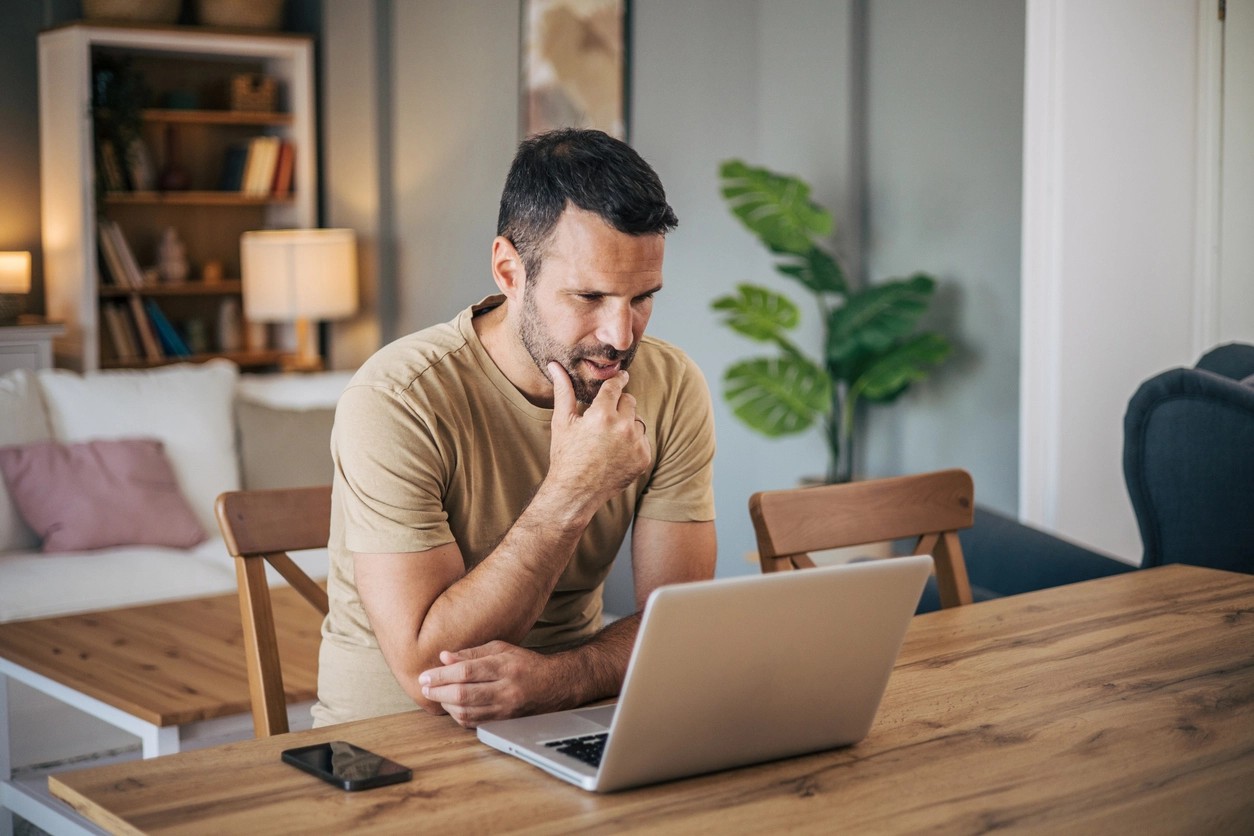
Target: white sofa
{"x": 221, "y": 431}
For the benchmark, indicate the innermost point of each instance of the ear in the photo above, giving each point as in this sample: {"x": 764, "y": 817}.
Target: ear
{"x": 507, "y": 268}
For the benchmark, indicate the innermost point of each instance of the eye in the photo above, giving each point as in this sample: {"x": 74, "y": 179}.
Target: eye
{"x": 589, "y": 297}
{"x": 644, "y": 297}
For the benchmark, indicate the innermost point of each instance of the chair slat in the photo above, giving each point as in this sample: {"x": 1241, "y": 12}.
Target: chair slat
{"x": 261, "y": 527}
{"x": 929, "y": 506}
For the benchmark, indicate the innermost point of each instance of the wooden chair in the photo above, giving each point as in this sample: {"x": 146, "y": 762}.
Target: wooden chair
{"x": 929, "y": 506}
{"x": 261, "y": 527}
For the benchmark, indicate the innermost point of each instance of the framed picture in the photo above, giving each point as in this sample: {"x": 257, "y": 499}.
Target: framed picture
{"x": 574, "y": 65}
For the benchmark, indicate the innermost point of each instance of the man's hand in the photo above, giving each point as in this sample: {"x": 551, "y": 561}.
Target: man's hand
{"x": 495, "y": 681}
{"x": 602, "y": 451}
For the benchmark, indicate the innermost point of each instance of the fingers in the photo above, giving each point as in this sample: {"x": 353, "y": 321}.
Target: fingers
{"x": 610, "y": 395}
{"x": 474, "y": 684}
{"x": 564, "y": 402}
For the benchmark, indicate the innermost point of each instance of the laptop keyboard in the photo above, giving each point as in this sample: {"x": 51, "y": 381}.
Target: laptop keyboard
{"x": 587, "y": 748}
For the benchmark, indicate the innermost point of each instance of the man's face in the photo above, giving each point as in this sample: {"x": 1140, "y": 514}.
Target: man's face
{"x": 590, "y": 304}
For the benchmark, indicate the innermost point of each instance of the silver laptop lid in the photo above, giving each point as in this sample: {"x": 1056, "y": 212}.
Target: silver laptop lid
{"x": 737, "y": 671}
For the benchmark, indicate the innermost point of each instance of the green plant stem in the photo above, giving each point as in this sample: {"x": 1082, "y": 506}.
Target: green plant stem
{"x": 840, "y": 436}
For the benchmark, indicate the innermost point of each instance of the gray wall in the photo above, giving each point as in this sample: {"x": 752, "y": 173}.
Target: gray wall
{"x": 944, "y": 189}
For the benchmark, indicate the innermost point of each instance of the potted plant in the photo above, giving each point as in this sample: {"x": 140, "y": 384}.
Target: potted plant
{"x": 871, "y": 349}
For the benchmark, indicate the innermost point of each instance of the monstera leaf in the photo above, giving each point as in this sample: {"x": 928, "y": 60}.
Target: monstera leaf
{"x": 777, "y": 395}
{"x": 758, "y": 313}
{"x": 775, "y": 207}
{"x": 911, "y": 361}
{"x": 872, "y": 320}
{"x": 815, "y": 269}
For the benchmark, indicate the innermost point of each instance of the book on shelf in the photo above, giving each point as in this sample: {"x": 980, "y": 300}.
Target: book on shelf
{"x": 252, "y": 159}
{"x": 147, "y": 334}
{"x": 172, "y": 342}
{"x": 263, "y": 153}
{"x": 283, "y": 169}
{"x": 233, "y": 162}
{"x": 114, "y": 272}
{"x": 111, "y": 170}
{"x": 128, "y": 266}
{"x": 117, "y": 325}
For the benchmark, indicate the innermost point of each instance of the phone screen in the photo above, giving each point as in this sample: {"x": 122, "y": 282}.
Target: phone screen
{"x": 347, "y": 766}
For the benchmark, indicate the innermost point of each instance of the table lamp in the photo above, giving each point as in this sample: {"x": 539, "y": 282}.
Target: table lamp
{"x": 299, "y": 275}
{"x": 14, "y": 284}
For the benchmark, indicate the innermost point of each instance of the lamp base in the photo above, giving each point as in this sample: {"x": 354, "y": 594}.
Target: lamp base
{"x": 307, "y": 358}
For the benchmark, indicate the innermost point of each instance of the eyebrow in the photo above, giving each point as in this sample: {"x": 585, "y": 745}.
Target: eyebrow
{"x": 590, "y": 292}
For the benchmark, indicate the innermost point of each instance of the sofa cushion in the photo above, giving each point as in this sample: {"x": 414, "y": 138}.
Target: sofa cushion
{"x": 285, "y": 428}
{"x": 100, "y": 493}
{"x": 190, "y": 408}
{"x": 22, "y": 419}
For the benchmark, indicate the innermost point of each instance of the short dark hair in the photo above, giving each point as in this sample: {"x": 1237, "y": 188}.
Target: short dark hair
{"x": 589, "y": 169}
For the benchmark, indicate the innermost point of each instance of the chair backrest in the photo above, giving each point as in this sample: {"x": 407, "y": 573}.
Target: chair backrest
{"x": 1188, "y": 462}
{"x": 261, "y": 527}
{"x": 932, "y": 507}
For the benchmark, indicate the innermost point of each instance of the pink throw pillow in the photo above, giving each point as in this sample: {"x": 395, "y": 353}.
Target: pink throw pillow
{"x": 98, "y": 494}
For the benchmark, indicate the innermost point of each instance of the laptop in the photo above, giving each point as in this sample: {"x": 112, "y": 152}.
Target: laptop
{"x": 732, "y": 672}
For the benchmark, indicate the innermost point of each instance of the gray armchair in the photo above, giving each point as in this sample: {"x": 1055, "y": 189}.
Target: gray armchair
{"x": 1188, "y": 460}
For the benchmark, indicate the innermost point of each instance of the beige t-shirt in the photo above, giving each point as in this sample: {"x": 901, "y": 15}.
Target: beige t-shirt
{"x": 432, "y": 444}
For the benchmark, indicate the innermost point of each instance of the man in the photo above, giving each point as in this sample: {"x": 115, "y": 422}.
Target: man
{"x": 488, "y": 469}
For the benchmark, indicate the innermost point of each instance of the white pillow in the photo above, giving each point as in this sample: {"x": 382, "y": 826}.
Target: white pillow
{"x": 22, "y": 419}
{"x": 188, "y": 407}
{"x": 316, "y": 390}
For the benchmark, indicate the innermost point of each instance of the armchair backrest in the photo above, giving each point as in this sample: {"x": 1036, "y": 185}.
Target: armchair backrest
{"x": 1188, "y": 460}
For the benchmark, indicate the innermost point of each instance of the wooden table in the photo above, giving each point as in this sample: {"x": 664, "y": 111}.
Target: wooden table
{"x": 1124, "y": 704}
{"x": 169, "y": 673}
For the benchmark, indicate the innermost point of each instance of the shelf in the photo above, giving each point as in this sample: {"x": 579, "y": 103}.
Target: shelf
{"x": 193, "y": 198}
{"x": 233, "y": 287}
{"x": 243, "y": 359}
{"x": 216, "y": 117}
{"x": 207, "y": 220}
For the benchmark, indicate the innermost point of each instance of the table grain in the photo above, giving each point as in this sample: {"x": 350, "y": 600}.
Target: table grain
{"x": 1124, "y": 704}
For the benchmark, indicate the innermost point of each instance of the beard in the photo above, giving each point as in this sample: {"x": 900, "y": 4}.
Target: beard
{"x": 544, "y": 349}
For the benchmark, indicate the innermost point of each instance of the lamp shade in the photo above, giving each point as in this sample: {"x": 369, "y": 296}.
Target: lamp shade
{"x": 14, "y": 272}
{"x": 293, "y": 274}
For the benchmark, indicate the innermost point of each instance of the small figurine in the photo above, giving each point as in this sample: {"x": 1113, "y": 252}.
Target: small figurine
{"x": 171, "y": 257}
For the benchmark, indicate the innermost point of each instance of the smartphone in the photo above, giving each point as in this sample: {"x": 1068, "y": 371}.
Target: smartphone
{"x": 347, "y": 766}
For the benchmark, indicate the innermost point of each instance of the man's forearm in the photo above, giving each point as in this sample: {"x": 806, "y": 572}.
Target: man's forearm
{"x": 503, "y": 596}
{"x": 595, "y": 669}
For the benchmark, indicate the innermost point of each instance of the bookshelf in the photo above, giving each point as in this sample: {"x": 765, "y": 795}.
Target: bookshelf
{"x": 188, "y": 128}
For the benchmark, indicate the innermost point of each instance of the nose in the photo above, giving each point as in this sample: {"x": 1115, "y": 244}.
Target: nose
{"x": 615, "y": 328}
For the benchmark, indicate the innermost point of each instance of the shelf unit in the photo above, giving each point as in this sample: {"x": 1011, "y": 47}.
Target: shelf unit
{"x": 209, "y": 221}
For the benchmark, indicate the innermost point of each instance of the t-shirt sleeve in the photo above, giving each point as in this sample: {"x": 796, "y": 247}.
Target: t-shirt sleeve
{"x": 681, "y": 488}
{"x": 389, "y": 474}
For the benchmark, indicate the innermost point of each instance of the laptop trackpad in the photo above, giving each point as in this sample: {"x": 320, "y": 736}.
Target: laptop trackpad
{"x": 602, "y": 715}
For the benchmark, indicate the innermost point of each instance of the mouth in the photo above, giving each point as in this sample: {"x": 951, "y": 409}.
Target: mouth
{"x": 602, "y": 371}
